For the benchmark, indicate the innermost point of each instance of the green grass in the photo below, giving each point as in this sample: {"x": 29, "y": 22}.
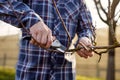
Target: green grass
{"x": 86, "y": 78}
{"x": 9, "y": 74}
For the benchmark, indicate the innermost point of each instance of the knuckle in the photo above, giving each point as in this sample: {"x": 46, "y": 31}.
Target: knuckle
{"x": 49, "y": 31}
{"x": 42, "y": 42}
{"x": 49, "y": 43}
{"x": 39, "y": 29}
{"x": 47, "y": 47}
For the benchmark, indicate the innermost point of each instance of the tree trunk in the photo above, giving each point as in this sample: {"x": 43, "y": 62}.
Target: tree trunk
{"x": 111, "y": 60}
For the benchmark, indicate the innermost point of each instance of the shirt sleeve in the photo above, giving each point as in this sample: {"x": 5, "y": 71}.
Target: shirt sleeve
{"x": 17, "y": 13}
{"x": 85, "y": 27}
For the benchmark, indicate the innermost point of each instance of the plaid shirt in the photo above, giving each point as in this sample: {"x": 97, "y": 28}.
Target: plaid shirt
{"x": 35, "y": 63}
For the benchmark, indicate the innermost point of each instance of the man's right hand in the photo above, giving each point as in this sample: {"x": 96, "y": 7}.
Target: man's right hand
{"x": 42, "y": 35}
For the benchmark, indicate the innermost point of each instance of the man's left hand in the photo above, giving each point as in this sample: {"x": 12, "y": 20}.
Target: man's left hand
{"x": 84, "y": 52}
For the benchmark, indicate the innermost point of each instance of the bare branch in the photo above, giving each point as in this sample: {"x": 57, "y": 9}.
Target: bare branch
{"x": 98, "y": 11}
{"x": 100, "y": 54}
{"x": 102, "y": 8}
{"x": 111, "y": 21}
{"x": 117, "y": 13}
{"x": 118, "y": 19}
{"x": 109, "y": 11}
{"x": 113, "y": 7}
{"x": 96, "y": 47}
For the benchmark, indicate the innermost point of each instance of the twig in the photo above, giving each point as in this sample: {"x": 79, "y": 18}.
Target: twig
{"x": 117, "y": 13}
{"x": 118, "y": 18}
{"x": 98, "y": 11}
{"x": 96, "y": 47}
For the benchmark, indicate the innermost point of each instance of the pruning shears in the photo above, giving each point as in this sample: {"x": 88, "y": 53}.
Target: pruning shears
{"x": 55, "y": 46}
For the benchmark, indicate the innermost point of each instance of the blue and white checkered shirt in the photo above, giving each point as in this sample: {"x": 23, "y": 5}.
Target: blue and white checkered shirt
{"x": 35, "y": 63}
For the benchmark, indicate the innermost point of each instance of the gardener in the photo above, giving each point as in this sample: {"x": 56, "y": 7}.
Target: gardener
{"x": 35, "y": 62}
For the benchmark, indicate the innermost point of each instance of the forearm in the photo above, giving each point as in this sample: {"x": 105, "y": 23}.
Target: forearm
{"x": 85, "y": 26}
{"x": 16, "y": 13}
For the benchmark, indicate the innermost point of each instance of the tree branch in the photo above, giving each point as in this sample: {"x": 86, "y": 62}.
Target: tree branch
{"x": 113, "y": 7}
{"x": 102, "y": 8}
{"x": 93, "y": 48}
{"x": 98, "y": 11}
{"x": 111, "y": 21}
{"x": 117, "y": 13}
{"x": 118, "y": 19}
{"x": 118, "y": 16}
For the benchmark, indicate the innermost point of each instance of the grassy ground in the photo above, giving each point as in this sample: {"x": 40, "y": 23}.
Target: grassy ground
{"x": 9, "y": 74}
{"x": 87, "y": 78}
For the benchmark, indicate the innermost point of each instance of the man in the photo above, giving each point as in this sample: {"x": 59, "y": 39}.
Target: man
{"x": 35, "y": 62}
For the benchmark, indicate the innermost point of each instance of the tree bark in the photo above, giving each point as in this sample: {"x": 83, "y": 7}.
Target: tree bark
{"x": 112, "y": 40}
{"x": 111, "y": 59}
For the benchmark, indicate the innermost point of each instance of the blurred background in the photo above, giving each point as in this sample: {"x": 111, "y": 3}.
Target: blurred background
{"x": 9, "y": 48}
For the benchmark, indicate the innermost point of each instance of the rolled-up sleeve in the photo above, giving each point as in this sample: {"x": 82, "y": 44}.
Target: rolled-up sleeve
{"x": 85, "y": 27}
{"x": 15, "y": 13}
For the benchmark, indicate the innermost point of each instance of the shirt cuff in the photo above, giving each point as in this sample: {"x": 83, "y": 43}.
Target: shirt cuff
{"x": 86, "y": 33}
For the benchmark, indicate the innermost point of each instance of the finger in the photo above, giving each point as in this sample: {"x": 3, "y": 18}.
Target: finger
{"x": 85, "y": 40}
{"x": 42, "y": 46}
{"x": 43, "y": 40}
{"x": 49, "y": 40}
{"x": 39, "y": 41}
{"x": 53, "y": 38}
{"x": 32, "y": 41}
{"x": 88, "y": 53}
{"x": 38, "y": 38}
{"x": 82, "y": 53}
